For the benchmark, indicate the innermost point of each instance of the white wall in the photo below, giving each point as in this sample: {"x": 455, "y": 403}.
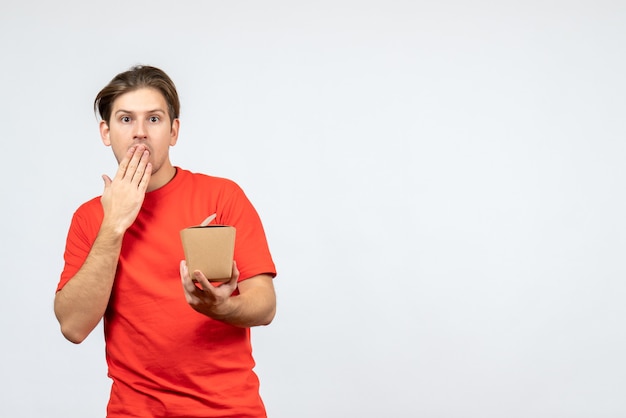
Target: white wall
{"x": 442, "y": 184}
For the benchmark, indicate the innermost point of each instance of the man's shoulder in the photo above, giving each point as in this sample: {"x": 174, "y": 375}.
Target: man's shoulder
{"x": 87, "y": 217}
{"x": 91, "y": 203}
{"x": 91, "y": 207}
{"x": 208, "y": 180}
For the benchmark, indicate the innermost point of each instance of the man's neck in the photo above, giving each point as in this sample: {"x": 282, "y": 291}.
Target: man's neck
{"x": 161, "y": 177}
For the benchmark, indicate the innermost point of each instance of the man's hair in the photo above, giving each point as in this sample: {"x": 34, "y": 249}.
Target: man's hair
{"x": 140, "y": 76}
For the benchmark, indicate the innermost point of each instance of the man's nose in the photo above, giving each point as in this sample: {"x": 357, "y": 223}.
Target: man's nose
{"x": 140, "y": 130}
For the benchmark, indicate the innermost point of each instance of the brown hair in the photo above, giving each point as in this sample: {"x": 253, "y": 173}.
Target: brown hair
{"x": 137, "y": 77}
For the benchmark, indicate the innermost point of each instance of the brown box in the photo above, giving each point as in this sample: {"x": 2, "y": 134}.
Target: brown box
{"x": 210, "y": 249}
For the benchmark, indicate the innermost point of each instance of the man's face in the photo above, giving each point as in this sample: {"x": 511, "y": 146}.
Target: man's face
{"x": 141, "y": 117}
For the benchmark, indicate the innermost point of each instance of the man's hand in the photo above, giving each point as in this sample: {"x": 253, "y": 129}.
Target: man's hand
{"x": 204, "y": 297}
{"x": 123, "y": 196}
{"x": 253, "y": 305}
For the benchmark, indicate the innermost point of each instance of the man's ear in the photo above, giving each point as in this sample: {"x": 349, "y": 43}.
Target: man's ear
{"x": 174, "y": 132}
{"x": 104, "y": 133}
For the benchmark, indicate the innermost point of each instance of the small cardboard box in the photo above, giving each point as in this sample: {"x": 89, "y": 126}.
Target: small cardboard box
{"x": 209, "y": 249}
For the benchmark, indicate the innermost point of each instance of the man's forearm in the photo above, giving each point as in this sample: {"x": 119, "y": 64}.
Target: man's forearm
{"x": 255, "y": 305}
{"x": 80, "y": 305}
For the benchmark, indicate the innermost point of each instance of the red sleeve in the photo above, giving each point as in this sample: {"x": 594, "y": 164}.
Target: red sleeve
{"x": 251, "y": 249}
{"x": 80, "y": 237}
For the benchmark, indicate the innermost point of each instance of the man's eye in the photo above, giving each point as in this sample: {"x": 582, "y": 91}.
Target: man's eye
{"x": 154, "y": 119}
{"x": 125, "y": 119}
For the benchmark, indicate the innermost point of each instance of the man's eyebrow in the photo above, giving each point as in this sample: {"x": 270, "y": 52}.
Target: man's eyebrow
{"x": 149, "y": 111}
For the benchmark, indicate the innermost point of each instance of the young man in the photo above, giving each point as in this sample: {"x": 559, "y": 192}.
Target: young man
{"x": 173, "y": 350}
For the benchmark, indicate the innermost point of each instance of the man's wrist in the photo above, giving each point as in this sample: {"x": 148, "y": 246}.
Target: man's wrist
{"x": 226, "y": 310}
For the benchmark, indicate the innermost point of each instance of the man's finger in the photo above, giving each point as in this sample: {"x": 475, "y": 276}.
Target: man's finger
{"x": 137, "y": 166}
{"x": 121, "y": 171}
{"x": 107, "y": 181}
{"x": 145, "y": 179}
{"x": 234, "y": 275}
{"x": 202, "y": 282}
{"x": 134, "y": 165}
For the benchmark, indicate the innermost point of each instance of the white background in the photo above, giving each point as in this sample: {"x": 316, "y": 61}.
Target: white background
{"x": 442, "y": 185}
